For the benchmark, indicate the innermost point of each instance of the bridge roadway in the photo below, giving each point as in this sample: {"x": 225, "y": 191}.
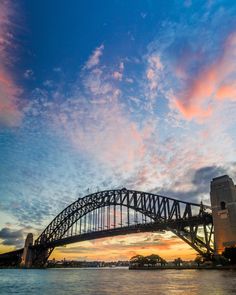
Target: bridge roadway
{"x": 125, "y": 230}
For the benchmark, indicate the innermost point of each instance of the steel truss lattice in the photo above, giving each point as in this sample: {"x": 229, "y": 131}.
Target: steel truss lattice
{"x": 114, "y": 212}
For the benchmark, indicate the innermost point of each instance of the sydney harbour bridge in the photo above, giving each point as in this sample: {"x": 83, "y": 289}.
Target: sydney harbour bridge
{"x": 118, "y": 212}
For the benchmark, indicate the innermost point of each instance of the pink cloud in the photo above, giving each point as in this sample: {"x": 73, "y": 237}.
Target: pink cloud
{"x": 10, "y": 113}
{"x": 226, "y": 91}
{"x": 117, "y": 75}
{"x": 94, "y": 58}
{"x": 155, "y": 62}
{"x": 150, "y": 74}
{"x": 212, "y": 83}
{"x": 99, "y": 125}
{"x": 153, "y": 73}
{"x": 106, "y": 134}
{"x": 95, "y": 85}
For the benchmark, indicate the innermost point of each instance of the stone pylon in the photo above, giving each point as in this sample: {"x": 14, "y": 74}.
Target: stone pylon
{"x": 27, "y": 255}
{"x": 223, "y": 203}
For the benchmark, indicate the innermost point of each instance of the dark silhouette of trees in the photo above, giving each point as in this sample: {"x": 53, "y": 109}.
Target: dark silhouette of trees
{"x": 155, "y": 259}
{"x": 178, "y": 261}
{"x": 230, "y": 254}
{"x": 150, "y": 260}
{"x": 138, "y": 260}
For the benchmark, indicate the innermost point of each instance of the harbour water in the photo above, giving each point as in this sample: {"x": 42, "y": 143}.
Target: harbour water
{"x": 116, "y": 281}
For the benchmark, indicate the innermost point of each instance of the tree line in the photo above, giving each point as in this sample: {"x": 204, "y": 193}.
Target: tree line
{"x": 152, "y": 260}
{"x": 228, "y": 257}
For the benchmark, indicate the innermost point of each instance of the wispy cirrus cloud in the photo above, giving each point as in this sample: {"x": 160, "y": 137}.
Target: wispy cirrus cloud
{"x": 137, "y": 153}
{"x": 215, "y": 81}
{"x": 196, "y": 69}
{"x": 94, "y": 58}
{"x": 107, "y": 135}
{"x": 98, "y": 125}
{"x": 153, "y": 73}
{"x": 118, "y": 75}
{"x": 104, "y": 124}
{"x": 10, "y": 112}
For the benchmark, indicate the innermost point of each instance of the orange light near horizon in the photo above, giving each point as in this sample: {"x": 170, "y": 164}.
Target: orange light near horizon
{"x": 124, "y": 247}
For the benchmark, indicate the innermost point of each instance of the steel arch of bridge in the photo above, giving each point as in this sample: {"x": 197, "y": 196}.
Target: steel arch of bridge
{"x": 108, "y": 213}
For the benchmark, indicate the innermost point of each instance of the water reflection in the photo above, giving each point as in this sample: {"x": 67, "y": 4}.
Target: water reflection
{"x": 117, "y": 281}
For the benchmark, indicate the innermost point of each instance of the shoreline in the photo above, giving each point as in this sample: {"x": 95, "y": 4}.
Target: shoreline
{"x": 150, "y": 268}
{"x": 226, "y": 267}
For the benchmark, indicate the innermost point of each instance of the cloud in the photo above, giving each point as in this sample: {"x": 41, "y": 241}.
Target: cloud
{"x": 153, "y": 74}
{"x": 30, "y": 210}
{"x": 171, "y": 163}
{"x": 117, "y": 147}
{"x": 94, "y": 58}
{"x": 105, "y": 133}
{"x": 98, "y": 125}
{"x": 204, "y": 175}
{"x": 118, "y": 75}
{"x": 10, "y": 237}
{"x": 226, "y": 91}
{"x": 57, "y": 69}
{"x": 98, "y": 85}
{"x": 48, "y": 83}
{"x": 103, "y": 136}
{"x": 195, "y": 101}
{"x": 129, "y": 80}
{"x": 29, "y": 74}
{"x": 199, "y": 185}
{"x": 10, "y": 112}
{"x": 198, "y": 66}
{"x": 124, "y": 247}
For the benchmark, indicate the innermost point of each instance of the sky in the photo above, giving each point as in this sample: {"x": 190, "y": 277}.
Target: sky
{"x": 99, "y": 95}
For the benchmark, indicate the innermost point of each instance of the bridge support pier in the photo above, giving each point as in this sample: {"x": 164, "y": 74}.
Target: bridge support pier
{"x": 223, "y": 202}
{"x": 40, "y": 256}
{"x": 27, "y": 256}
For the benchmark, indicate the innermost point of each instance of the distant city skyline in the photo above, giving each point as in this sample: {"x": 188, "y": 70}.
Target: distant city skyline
{"x": 99, "y": 95}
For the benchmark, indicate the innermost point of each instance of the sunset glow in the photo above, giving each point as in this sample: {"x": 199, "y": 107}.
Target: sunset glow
{"x": 103, "y": 95}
